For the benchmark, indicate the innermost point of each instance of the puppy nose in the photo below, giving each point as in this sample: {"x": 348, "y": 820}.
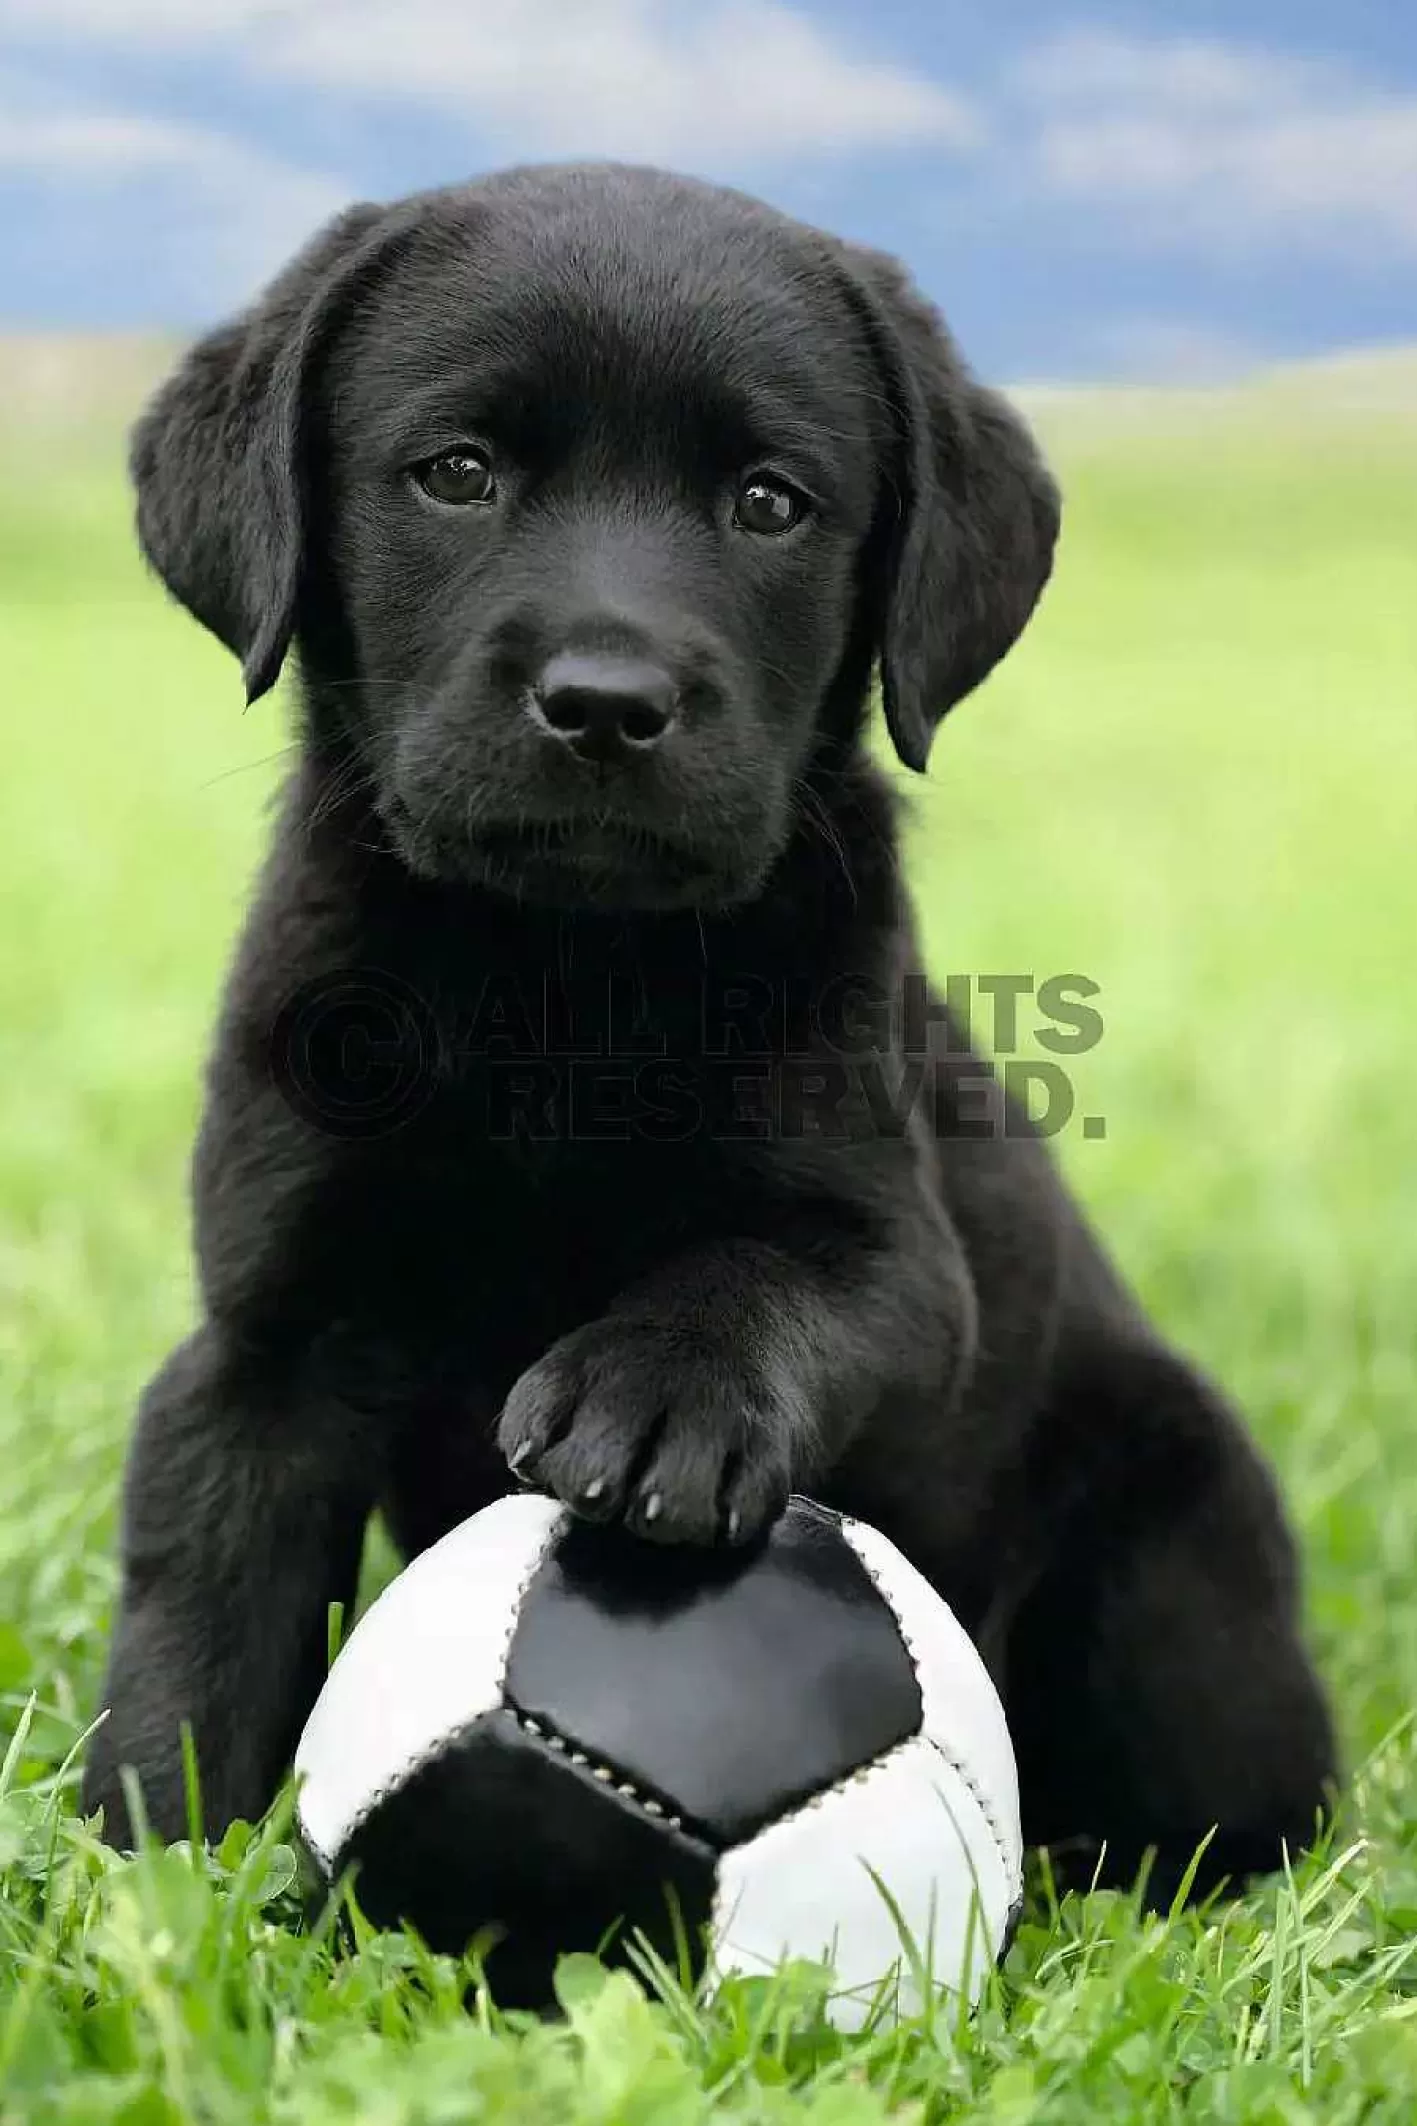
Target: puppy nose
{"x": 604, "y": 707}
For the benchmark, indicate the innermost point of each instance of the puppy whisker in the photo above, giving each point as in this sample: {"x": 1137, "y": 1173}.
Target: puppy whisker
{"x": 816, "y": 816}
{"x": 251, "y": 767}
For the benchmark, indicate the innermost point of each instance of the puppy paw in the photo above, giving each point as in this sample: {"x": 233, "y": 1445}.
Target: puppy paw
{"x": 682, "y": 1440}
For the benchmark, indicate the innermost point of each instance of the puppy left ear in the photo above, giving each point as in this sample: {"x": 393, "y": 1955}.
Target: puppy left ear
{"x": 969, "y": 542}
{"x": 215, "y": 457}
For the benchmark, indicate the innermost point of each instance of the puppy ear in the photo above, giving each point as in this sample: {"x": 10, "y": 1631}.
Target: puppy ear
{"x": 969, "y": 540}
{"x": 216, "y": 456}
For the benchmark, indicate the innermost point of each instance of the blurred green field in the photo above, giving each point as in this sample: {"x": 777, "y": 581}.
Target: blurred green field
{"x": 1195, "y": 783}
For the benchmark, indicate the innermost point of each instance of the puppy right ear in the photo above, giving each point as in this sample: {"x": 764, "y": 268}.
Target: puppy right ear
{"x": 216, "y": 456}
{"x": 974, "y": 512}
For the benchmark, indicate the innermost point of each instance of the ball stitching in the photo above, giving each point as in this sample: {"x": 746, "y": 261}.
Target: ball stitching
{"x": 607, "y": 1774}
{"x": 860, "y": 1777}
{"x": 439, "y": 1744}
{"x": 1012, "y": 1874}
{"x": 553, "y": 1535}
{"x": 323, "y": 1860}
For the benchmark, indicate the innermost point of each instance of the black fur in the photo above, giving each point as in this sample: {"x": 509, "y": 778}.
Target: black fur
{"x": 636, "y": 1277}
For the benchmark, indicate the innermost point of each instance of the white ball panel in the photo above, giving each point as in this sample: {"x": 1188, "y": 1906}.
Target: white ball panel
{"x": 962, "y": 1712}
{"x": 805, "y": 1887}
{"x": 425, "y": 1659}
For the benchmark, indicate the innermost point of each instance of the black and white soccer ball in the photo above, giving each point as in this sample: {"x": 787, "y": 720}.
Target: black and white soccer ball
{"x": 556, "y": 1732}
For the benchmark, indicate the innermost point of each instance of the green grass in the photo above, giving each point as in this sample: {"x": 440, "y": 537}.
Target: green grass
{"x": 1193, "y": 784}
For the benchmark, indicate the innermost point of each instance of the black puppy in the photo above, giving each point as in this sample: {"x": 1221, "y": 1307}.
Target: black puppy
{"x": 592, "y": 499}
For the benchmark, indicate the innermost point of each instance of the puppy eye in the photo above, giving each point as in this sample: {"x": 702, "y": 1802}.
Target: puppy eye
{"x": 458, "y": 476}
{"x": 767, "y": 506}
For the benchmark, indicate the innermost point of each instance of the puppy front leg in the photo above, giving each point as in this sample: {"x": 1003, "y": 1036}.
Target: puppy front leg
{"x": 243, "y": 1519}
{"x": 738, "y": 1373}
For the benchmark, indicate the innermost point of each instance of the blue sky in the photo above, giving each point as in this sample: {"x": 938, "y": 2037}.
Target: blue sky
{"x": 1133, "y": 189}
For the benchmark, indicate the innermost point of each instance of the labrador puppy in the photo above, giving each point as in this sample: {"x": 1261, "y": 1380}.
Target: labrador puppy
{"x": 552, "y": 1127}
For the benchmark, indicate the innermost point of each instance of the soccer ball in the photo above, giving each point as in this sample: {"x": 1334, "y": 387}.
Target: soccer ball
{"x": 555, "y": 1737}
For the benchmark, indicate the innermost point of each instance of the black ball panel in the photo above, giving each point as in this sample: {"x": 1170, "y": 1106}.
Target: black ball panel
{"x": 498, "y": 1830}
{"x": 733, "y": 1684}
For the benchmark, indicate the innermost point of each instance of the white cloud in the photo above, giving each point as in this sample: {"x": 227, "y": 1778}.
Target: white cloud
{"x": 229, "y": 218}
{"x": 1088, "y": 66}
{"x": 89, "y": 143}
{"x": 1171, "y": 350}
{"x": 1222, "y": 144}
{"x": 744, "y": 81}
{"x": 721, "y": 84}
{"x": 225, "y": 215}
{"x": 147, "y": 22}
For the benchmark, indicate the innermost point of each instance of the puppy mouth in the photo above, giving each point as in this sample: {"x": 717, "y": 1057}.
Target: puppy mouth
{"x": 596, "y": 862}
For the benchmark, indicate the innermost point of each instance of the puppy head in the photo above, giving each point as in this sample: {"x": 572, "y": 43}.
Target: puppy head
{"x": 591, "y": 495}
